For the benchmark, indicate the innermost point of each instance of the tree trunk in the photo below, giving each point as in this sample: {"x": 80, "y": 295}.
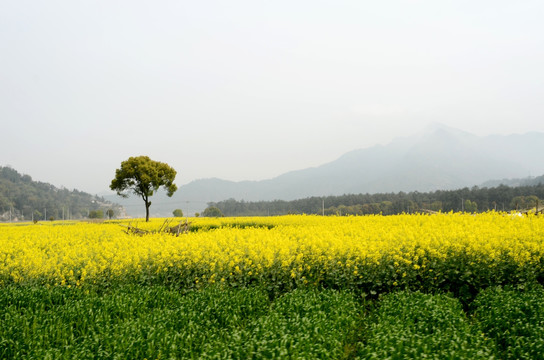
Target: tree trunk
{"x": 147, "y": 205}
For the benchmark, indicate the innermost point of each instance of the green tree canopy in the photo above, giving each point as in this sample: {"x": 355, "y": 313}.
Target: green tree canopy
{"x": 212, "y": 211}
{"x": 471, "y": 206}
{"x": 96, "y": 214}
{"x": 178, "y": 213}
{"x": 143, "y": 177}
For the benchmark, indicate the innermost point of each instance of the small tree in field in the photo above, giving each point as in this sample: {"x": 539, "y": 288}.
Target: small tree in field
{"x": 143, "y": 177}
{"x": 212, "y": 211}
{"x": 177, "y": 213}
{"x": 110, "y": 213}
{"x": 37, "y": 216}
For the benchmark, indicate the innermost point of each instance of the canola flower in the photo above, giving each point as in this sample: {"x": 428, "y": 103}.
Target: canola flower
{"x": 370, "y": 253}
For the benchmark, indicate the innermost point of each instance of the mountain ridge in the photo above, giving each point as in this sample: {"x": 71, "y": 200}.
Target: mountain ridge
{"x": 444, "y": 158}
{"x": 439, "y": 158}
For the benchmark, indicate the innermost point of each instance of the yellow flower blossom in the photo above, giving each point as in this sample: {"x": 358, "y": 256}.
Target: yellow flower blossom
{"x": 79, "y": 253}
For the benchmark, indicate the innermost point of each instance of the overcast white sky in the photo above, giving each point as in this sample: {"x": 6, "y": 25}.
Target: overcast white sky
{"x": 248, "y": 90}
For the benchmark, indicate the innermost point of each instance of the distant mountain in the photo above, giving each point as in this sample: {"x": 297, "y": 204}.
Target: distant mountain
{"x": 440, "y": 158}
{"x": 528, "y": 181}
{"x": 22, "y": 198}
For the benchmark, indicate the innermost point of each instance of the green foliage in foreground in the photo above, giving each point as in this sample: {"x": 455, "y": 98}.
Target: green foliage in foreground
{"x": 302, "y": 324}
{"x": 129, "y": 323}
{"x": 410, "y": 325}
{"x": 154, "y": 322}
{"x": 514, "y": 320}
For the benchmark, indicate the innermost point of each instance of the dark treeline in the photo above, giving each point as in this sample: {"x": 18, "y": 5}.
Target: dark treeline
{"x": 500, "y": 198}
{"x": 21, "y": 198}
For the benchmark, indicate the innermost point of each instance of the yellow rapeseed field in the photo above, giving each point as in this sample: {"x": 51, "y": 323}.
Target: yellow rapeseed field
{"x": 368, "y": 252}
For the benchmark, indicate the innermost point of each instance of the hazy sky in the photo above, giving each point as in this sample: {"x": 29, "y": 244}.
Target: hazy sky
{"x": 248, "y": 90}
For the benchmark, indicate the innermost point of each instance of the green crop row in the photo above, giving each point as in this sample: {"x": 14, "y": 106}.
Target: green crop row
{"x": 158, "y": 323}
{"x": 501, "y": 323}
{"x": 246, "y": 323}
{"x": 410, "y": 325}
{"x": 513, "y": 319}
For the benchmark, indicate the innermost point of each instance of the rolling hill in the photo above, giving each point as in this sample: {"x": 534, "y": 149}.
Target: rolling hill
{"x": 22, "y": 198}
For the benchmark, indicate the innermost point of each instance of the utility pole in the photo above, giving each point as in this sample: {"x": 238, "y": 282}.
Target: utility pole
{"x": 45, "y": 214}
{"x": 323, "y": 207}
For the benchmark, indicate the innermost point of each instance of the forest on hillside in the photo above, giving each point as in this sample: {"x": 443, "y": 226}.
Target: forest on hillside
{"x": 22, "y": 198}
{"x": 475, "y": 199}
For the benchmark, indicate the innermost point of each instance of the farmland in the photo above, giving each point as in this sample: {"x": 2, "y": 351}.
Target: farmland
{"x": 449, "y": 285}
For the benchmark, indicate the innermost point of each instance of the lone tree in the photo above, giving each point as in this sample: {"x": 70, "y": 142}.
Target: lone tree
{"x": 143, "y": 176}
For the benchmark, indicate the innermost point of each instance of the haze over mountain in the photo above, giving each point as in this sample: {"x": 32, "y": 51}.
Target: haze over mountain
{"x": 440, "y": 158}
{"x": 515, "y": 182}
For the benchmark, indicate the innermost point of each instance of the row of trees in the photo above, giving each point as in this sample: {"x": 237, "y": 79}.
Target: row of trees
{"x": 503, "y": 198}
{"x": 210, "y": 211}
{"x": 100, "y": 214}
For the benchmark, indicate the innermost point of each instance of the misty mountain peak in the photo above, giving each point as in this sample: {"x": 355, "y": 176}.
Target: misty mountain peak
{"x": 439, "y": 129}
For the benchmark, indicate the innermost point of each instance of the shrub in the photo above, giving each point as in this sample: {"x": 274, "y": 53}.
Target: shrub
{"x": 302, "y": 324}
{"x": 514, "y": 319}
{"x": 413, "y": 325}
{"x": 212, "y": 211}
{"x": 177, "y": 213}
{"x": 125, "y": 322}
{"x": 96, "y": 214}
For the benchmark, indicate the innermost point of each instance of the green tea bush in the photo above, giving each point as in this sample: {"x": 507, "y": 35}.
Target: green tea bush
{"x": 414, "y": 325}
{"x": 302, "y": 324}
{"x": 154, "y": 322}
{"x": 514, "y": 319}
{"x": 122, "y": 323}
